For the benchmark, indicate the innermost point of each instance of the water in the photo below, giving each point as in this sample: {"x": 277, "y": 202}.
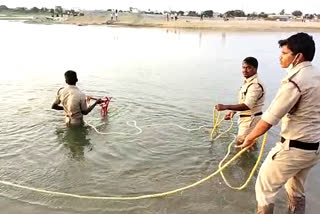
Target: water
{"x": 156, "y": 77}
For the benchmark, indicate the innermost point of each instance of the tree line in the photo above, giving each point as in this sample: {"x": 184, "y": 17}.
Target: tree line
{"x": 59, "y": 11}
{"x": 240, "y": 13}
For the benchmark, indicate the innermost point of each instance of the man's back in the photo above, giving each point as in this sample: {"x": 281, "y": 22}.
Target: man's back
{"x": 73, "y": 102}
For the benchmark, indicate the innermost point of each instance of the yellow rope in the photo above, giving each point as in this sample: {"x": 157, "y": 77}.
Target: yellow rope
{"x": 214, "y": 117}
{"x": 156, "y": 195}
{"x": 216, "y": 124}
{"x": 129, "y": 197}
{"x": 253, "y": 169}
{"x": 231, "y": 125}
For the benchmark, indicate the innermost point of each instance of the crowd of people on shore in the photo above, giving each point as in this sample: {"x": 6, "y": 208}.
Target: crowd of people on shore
{"x": 114, "y": 15}
{"x": 171, "y": 16}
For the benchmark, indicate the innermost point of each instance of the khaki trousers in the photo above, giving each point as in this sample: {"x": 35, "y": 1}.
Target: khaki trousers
{"x": 245, "y": 126}
{"x": 284, "y": 166}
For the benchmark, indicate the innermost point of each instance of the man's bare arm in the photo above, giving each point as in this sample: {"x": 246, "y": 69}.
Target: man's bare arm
{"x": 89, "y": 109}
{"x": 237, "y": 107}
{"x": 56, "y": 107}
{"x": 261, "y": 128}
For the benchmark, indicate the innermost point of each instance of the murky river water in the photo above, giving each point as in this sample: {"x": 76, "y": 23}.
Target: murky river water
{"x": 157, "y": 77}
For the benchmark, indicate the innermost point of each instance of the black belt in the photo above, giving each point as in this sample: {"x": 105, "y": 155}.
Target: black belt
{"x": 246, "y": 115}
{"x": 301, "y": 145}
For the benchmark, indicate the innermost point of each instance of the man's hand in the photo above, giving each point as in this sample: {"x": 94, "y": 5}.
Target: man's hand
{"x": 229, "y": 115}
{"x": 88, "y": 98}
{"x": 220, "y": 107}
{"x": 247, "y": 143}
{"x": 99, "y": 101}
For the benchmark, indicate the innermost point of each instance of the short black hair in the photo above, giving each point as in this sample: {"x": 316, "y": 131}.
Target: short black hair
{"x": 300, "y": 43}
{"x": 251, "y": 61}
{"x": 71, "y": 77}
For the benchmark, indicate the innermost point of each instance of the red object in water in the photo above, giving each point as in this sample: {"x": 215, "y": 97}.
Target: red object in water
{"x": 104, "y": 105}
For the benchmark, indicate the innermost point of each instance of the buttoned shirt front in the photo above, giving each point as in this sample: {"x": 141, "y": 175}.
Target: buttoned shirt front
{"x": 252, "y": 95}
{"x": 297, "y": 104}
{"x": 73, "y": 102}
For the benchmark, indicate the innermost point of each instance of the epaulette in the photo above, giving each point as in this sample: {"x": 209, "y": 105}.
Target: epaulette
{"x": 260, "y": 87}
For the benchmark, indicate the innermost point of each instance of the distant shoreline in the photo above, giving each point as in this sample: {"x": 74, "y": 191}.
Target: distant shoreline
{"x": 187, "y": 22}
{"x": 245, "y": 26}
{"x": 184, "y": 22}
{"x": 195, "y": 23}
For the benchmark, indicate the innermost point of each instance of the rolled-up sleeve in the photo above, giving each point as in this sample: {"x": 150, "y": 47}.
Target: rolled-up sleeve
{"x": 58, "y": 99}
{"x": 253, "y": 94}
{"x": 83, "y": 103}
{"x": 287, "y": 96}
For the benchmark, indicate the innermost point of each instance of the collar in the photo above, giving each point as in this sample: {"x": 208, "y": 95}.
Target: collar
{"x": 297, "y": 68}
{"x": 72, "y": 86}
{"x": 250, "y": 79}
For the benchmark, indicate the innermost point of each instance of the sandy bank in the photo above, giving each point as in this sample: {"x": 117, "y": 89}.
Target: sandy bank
{"x": 139, "y": 20}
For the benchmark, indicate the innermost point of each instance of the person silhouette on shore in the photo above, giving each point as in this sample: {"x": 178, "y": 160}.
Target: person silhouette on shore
{"x": 116, "y": 14}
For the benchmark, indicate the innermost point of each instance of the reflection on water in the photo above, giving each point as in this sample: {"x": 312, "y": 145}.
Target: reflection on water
{"x": 223, "y": 38}
{"x": 76, "y": 140}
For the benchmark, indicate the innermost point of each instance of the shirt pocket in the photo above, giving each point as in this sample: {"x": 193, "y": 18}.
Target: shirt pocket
{"x": 242, "y": 93}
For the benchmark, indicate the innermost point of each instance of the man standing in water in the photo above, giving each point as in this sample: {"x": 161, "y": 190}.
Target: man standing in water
{"x": 73, "y": 101}
{"x": 297, "y": 104}
{"x": 251, "y": 100}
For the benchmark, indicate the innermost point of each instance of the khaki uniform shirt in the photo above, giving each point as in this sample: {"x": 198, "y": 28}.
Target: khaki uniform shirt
{"x": 297, "y": 104}
{"x": 73, "y": 102}
{"x": 252, "y": 95}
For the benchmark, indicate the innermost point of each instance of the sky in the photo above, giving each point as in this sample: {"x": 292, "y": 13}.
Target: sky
{"x": 249, "y": 6}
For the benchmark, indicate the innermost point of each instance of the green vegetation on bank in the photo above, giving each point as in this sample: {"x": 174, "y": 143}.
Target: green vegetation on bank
{"x": 22, "y": 12}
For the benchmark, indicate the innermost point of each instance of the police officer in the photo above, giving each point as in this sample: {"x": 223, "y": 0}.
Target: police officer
{"x": 297, "y": 105}
{"x": 251, "y": 99}
{"x": 73, "y": 101}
